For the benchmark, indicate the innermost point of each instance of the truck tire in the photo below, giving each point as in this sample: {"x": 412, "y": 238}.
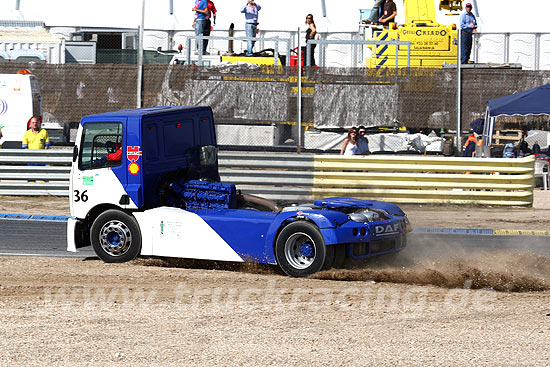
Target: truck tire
{"x": 339, "y": 255}
{"x": 115, "y": 237}
{"x": 300, "y": 249}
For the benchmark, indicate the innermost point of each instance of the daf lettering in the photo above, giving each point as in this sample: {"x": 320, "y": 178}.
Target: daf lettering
{"x": 390, "y": 228}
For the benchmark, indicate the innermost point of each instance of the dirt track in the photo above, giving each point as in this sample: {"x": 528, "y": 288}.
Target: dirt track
{"x": 411, "y": 310}
{"x": 152, "y": 312}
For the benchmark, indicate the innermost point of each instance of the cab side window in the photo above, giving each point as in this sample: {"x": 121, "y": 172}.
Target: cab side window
{"x": 101, "y": 145}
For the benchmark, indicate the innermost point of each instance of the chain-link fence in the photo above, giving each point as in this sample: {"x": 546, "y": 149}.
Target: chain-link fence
{"x": 258, "y": 107}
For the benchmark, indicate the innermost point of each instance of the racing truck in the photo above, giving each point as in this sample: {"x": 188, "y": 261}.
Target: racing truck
{"x": 145, "y": 182}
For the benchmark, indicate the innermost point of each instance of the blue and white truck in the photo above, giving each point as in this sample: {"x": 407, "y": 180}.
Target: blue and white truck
{"x": 145, "y": 182}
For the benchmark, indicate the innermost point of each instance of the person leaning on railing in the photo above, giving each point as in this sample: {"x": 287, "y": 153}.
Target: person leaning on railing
{"x": 350, "y": 146}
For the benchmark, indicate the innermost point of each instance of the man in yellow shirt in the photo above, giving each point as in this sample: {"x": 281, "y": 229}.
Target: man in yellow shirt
{"x": 35, "y": 137}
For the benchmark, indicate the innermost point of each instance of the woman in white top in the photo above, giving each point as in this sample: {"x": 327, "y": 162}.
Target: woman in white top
{"x": 350, "y": 145}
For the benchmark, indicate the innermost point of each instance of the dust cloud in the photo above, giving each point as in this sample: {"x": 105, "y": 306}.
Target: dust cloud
{"x": 451, "y": 267}
{"x": 434, "y": 264}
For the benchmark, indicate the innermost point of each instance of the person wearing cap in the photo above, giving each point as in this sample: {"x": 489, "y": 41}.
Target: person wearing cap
{"x": 468, "y": 26}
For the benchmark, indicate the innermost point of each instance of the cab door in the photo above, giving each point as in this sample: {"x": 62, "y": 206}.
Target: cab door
{"x": 98, "y": 173}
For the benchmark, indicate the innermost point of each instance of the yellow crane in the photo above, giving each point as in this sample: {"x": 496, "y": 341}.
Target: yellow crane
{"x": 432, "y": 44}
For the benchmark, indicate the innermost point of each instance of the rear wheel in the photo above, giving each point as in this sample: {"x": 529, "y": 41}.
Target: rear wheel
{"x": 300, "y": 249}
{"x": 115, "y": 237}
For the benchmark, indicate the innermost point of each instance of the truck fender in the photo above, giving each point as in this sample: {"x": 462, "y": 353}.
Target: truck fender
{"x": 321, "y": 221}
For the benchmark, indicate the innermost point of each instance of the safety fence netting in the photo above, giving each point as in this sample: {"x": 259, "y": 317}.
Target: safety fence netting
{"x": 258, "y": 105}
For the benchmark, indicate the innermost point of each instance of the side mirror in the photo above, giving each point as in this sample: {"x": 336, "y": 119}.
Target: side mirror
{"x": 75, "y": 153}
{"x": 208, "y": 155}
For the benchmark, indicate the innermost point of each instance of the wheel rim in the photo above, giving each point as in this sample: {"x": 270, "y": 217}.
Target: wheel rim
{"x": 115, "y": 238}
{"x": 300, "y": 250}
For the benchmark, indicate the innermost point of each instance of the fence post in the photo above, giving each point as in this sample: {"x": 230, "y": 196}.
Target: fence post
{"x": 299, "y": 96}
{"x": 459, "y": 94}
{"x": 537, "y": 51}
{"x": 506, "y": 47}
{"x": 275, "y": 55}
{"x": 140, "y": 57}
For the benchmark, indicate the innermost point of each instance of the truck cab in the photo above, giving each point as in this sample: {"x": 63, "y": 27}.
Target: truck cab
{"x": 112, "y": 170}
{"x": 111, "y": 166}
{"x": 145, "y": 182}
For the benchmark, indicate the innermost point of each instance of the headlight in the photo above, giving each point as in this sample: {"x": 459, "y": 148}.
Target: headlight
{"x": 364, "y": 216}
{"x": 358, "y": 217}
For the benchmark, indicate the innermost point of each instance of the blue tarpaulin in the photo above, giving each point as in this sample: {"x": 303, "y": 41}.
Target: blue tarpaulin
{"x": 534, "y": 101}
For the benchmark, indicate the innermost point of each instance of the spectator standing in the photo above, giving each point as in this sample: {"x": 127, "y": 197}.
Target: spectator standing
{"x": 201, "y": 14}
{"x": 250, "y": 11}
{"x": 311, "y": 32}
{"x": 362, "y": 141}
{"x": 470, "y": 146}
{"x": 389, "y": 13}
{"x": 35, "y": 137}
{"x": 375, "y": 12}
{"x": 350, "y": 145}
{"x": 468, "y": 26}
{"x": 208, "y": 26}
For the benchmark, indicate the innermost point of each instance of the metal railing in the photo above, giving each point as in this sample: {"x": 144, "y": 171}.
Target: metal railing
{"x": 306, "y": 177}
{"x": 531, "y": 50}
{"x": 199, "y": 39}
{"x": 26, "y": 172}
{"x": 357, "y": 55}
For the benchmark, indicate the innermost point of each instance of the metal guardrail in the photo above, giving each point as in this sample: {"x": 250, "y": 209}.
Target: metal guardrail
{"x": 29, "y": 172}
{"x": 306, "y": 177}
{"x": 425, "y": 179}
{"x": 276, "y": 40}
{"x": 357, "y": 53}
{"x": 526, "y": 48}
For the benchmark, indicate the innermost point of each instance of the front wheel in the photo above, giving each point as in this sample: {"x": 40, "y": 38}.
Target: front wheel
{"x": 300, "y": 249}
{"x": 115, "y": 237}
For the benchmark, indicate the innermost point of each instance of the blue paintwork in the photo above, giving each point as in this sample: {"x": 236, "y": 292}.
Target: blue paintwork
{"x": 252, "y": 234}
{"x": 169, "y": 139}
{"x": 246, "y": 231}
{"x": 306, "y": 250}
{"x": 171, "y": 135}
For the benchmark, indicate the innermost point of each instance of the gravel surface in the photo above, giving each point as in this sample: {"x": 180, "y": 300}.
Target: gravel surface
{"x": 69, "y": 312}
{"x": 488, "y": 309}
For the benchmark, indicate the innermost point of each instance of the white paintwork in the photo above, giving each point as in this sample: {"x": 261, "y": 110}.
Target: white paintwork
{"x": 106, "y": 189}
{"x": 71, "y": 244}
{"x": 176, "y": 232}
{"x": 16, "y": 104}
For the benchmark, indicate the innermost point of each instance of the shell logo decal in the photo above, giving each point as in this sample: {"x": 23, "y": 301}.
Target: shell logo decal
{"x": 133, "y": 168}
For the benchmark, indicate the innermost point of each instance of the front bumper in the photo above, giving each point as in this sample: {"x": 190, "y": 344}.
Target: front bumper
{"x": 374, "y": 248}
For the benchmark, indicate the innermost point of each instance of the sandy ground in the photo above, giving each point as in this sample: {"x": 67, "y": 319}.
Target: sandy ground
{"x": 415, "y": 309}
{"x": 426, "y": 216}
{"x": 69, "y": 312}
